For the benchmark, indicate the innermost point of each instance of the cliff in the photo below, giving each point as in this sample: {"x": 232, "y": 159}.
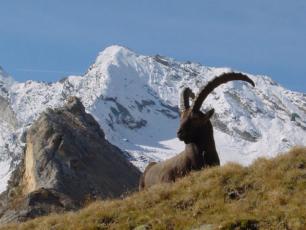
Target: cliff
{"x": 67, "y": 161}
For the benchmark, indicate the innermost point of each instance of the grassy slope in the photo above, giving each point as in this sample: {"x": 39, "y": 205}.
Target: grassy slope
{"x": 270, "y": 194}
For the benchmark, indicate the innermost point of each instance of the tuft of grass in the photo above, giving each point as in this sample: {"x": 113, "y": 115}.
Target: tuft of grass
{"x": 269, "y": 194}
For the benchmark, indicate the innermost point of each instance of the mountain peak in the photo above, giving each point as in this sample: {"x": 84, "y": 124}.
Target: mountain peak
{"x": 112, "y": 53}
{"x": 116, "y": 49}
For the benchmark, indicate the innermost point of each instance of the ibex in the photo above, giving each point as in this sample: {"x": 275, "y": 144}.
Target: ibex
{"x": 196, "y": 131}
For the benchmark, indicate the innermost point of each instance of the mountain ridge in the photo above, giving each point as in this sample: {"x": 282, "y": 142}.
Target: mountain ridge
{"x": 134, "y": 98}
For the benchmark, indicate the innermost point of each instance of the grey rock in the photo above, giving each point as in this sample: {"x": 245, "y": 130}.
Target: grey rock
{"x": 6, "y": 112}
{"x": 67, "y": 161}
{"x": 123, "y": 116}
{"x": 38, "y": 203}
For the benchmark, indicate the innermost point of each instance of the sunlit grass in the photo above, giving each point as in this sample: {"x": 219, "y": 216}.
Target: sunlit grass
{"x": 269, "y": 194}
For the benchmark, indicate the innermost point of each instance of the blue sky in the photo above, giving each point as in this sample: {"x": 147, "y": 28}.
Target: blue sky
{"x": 47, "y": 40}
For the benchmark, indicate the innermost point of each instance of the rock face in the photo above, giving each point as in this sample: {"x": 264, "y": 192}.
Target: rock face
{"x": 6, "y": 112}
{"x": 67, "y": 161}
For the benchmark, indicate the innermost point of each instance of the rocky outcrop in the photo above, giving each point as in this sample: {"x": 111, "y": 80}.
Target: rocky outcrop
{"x": 6, "y": 113}
{"x": 67, "y": 161}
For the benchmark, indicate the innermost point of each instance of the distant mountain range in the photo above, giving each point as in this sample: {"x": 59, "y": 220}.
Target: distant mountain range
{"x": 135, "y": 98}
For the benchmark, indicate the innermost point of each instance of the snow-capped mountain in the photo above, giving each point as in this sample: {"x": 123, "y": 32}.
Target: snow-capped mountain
{"x": 135, "y": 100}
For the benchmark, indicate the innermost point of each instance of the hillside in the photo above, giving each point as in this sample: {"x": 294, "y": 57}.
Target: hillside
{"x": 135, "y": 98}
{"x": 269, "y": 194}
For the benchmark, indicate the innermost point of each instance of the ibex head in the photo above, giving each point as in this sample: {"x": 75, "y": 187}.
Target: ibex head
{"x": 192, "y": 120}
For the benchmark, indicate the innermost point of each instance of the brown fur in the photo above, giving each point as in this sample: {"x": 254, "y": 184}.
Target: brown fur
{"x": 169, "y": 170}
{"x": 141, "y": 180}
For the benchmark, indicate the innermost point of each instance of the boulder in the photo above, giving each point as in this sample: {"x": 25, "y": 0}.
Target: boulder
{"x": 67, "y": 162}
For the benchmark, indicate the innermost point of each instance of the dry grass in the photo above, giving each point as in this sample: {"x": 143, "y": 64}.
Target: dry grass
{"x": 270, "y": 194}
